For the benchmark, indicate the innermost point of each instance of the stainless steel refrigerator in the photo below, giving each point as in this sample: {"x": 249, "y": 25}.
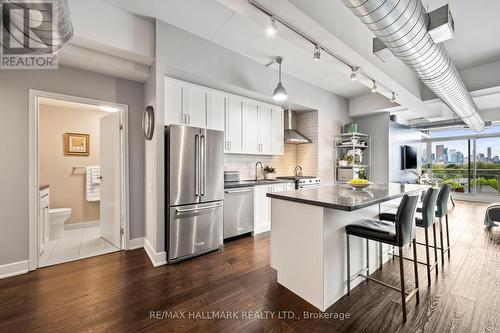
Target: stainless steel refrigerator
{"x": 194, "y": 191}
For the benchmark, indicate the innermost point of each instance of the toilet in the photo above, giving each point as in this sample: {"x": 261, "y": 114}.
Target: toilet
{"x": 57, "y": 218}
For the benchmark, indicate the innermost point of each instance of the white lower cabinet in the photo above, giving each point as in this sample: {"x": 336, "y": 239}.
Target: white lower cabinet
{"x": 262, "y": 205}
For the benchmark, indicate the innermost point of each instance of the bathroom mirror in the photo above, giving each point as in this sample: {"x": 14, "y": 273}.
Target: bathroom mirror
{"x": 148, "y": 122}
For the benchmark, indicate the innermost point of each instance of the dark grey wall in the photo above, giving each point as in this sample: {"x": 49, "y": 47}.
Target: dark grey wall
{"x": 14, "y": 144}
{"x": 377, "y": 126}
{"x": 387, "y": 139}
{"x": 400, "y": 135}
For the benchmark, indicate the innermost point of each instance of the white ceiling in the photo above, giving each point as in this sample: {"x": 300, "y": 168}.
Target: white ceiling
{"x": 230, "y": 24}
{"x": 477, "y": 24}
{"x": 214, "y": 21}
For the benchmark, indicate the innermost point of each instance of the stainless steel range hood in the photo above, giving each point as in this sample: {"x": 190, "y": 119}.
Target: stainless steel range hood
{"x": 291, "y": 134}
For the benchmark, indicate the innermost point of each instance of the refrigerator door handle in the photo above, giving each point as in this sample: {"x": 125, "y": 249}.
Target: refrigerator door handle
{"x": 203, "y": 170}
{"x": 187, "y": 210}
{"x": 197, "y": 165}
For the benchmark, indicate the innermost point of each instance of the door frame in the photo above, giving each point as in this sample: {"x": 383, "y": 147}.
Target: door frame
{"x": 34, "y": 95}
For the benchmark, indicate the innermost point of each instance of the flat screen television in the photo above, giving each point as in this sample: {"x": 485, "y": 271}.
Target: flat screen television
{"x": 409, "y": 157}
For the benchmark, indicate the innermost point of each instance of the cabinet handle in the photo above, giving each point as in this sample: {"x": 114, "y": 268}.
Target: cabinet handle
{"x": 230, "y": 145}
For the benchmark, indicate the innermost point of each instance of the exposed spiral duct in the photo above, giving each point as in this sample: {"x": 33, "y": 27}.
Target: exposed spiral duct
{"x": 402, "y": 26}
{"x": 40, "y": 27}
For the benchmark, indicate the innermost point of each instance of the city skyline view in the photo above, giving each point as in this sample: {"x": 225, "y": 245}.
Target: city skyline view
{"x": 456, "y": 151}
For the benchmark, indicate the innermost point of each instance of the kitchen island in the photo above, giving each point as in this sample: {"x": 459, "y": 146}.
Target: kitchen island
{"x": 308, "y": 243}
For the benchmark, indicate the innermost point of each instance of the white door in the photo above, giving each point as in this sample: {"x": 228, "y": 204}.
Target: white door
{"x": 266, "y": 129}
{"x": 109, "y": 142}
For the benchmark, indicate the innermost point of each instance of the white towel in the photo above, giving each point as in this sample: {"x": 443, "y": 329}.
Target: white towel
{"x": 95, "y": 175}
{"x": 92, "y": 189}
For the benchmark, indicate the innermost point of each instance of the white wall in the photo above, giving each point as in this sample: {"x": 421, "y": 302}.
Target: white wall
{"x": 187, "y": 57}
{"x": 14, "y": 134}
{"x": 130, "y": 33}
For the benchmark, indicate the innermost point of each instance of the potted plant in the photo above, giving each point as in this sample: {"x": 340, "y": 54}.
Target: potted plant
{"x": 269, "y": 172}
{"x": 353, "y": 157}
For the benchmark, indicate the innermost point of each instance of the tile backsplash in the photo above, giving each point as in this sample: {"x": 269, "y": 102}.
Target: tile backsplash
{"x": 305, "y": 155}
{"x": 245, "y": 164}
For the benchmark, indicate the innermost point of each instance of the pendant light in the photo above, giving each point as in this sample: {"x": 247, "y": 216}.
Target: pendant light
{"x": 280, "y": 91}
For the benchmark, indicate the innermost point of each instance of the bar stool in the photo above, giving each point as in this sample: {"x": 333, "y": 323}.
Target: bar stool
{"x": 442, "y": 211}
{"x": 400, "y": 234}
{"x": 425, "y": 220}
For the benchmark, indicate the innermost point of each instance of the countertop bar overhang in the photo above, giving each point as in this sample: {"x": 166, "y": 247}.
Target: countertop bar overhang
{"x": 308, "y": 243}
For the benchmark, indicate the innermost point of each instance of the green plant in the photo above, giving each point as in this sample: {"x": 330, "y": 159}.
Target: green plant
{"x": 269, "y": 169}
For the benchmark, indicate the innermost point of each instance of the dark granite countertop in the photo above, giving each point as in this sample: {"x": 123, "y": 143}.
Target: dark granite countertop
{"x": 343, "y": 197}
{"x": 250, "y": 183}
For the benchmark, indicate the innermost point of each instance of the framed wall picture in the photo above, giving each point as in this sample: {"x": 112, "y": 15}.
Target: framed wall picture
{"x": 76, "y": 144}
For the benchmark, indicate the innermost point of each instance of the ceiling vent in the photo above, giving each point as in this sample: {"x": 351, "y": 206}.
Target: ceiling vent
{"x": 402, "y": 25}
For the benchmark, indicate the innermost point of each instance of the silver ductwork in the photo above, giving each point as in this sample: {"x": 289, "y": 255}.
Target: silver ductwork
{"x": 291, "y": 134}
{"x": 41, "y": 27}
{"x": 402, "y": 26}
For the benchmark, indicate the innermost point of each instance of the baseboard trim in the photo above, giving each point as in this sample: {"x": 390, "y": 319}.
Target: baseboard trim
{"x": 136, "y": 243}
{"x": 157, "y": 258}
{"x": 82, "y": 225}
{"x": 12, "y": 269}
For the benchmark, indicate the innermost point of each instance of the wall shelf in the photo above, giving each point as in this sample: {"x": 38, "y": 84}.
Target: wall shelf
{"x": 342, "y": 146}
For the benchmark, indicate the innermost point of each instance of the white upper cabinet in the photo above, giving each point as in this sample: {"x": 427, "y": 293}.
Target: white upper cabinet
{"x": 217, "y": 110}
{"x": 278, "y": 132}
{"x": 175, "y": 102}
{"x": 197, "y": 106}
{"x": 233, "y": 125}
{"x": 251, "y": 127}
{"x": 186, "y": 104}
{"x": 265, "y": 129}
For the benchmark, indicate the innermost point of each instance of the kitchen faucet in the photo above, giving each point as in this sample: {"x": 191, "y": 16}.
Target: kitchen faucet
{"x": 297, "y": 171}
{"x": 256, "y": 165}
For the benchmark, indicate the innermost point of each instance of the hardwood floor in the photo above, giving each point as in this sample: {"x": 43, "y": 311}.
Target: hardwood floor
{"x": 118, "y": 292}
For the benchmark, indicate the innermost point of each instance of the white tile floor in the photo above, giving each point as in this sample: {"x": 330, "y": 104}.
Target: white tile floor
{"x": 76, "y": 244}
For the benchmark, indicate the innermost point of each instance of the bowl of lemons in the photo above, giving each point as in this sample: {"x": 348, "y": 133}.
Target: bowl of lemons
{"x": 359, "y": 184}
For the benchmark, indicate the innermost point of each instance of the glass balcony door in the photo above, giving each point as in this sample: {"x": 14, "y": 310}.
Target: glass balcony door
{"x": 470, "y": 165}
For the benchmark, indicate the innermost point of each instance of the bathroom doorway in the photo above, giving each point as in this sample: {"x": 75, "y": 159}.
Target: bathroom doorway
{"x": 78, "y": 183}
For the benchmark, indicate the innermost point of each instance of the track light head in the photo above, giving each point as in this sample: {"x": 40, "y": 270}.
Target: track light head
{"x": 317, "y": 53}
{"x": 374, "y": 87}
{"x": 272, "y": 29}
{"x": 393, "y": 99}
{"x": 354, "y": 74}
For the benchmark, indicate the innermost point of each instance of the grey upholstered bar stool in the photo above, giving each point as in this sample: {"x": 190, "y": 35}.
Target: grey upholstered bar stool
{"x": 425, "y": 219}
{"x": 400, "y": 234}
{"x": 442, "y": 211}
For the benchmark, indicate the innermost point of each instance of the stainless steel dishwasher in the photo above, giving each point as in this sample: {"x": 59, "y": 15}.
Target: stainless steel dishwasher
{"x": 238, "y": 211}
